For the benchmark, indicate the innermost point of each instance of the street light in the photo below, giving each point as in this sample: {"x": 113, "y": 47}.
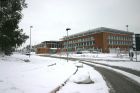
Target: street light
{"x": 67, "y": 29}
{"x": 128, "y": 45}
{"x": 30, "y": 41}
{"x": 127, "y": 28}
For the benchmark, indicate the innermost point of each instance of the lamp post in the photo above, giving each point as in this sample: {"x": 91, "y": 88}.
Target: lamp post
{"x": 127, "y": 28}
{"x": 128, "y": 45}
{"x": 67, "y": 29}
{"x": 30, "y": 41}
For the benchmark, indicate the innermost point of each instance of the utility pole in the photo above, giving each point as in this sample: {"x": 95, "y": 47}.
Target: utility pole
{"x": 30, "y": 41}
{"x": 127, "y": 28}
{"x": 67, "y": 29}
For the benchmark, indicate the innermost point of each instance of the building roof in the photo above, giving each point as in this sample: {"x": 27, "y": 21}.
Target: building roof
{"x": 50, "y": 42}
{"x": 99, "y": 30}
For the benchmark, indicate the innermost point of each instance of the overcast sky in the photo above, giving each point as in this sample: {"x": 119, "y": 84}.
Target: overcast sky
{"x": 50, "y": 18}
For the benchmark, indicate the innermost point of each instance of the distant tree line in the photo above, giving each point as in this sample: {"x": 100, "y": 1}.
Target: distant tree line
{"x": 11, "y": 36}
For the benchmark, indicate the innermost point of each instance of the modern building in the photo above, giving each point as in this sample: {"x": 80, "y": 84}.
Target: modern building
{"x": 136, "y": 46}
{"x": 48, "y": 47}
{"x": 102, "y": 39}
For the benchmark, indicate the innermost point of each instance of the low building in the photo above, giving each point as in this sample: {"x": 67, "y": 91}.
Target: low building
{"x": 48, "y": 47}
{"x": 100, "y": 39}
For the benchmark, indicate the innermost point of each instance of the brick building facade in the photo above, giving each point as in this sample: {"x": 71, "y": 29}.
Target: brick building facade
{"x": 103, "y": 39}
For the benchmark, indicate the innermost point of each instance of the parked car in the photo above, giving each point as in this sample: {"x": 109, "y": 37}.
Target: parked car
{"x": 78, "y": 52}
{"x": 27, "y": 53}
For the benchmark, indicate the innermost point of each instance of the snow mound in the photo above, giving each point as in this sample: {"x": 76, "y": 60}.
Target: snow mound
{"x": 78, "y": 64}
{"x": 81, "y": 77}
{"x": 26, "y": 60}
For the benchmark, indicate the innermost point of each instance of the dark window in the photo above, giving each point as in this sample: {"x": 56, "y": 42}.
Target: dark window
{"x": 137, "y": 38}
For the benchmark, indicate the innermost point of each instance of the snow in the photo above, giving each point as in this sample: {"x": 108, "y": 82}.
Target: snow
{"x": 78, "y": 64}
{"x": 89, "y": 74}
{"x": 129, "y": 75}
{"x": 130, "y": 65}
{"x": 121, "y": 60}
{"x": 82, "y": 77}
{"x": 44, "y": 74}
{"x": 111, "y": 59}
{"x": 33, "y": 77}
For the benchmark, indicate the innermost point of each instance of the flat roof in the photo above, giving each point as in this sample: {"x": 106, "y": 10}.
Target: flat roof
{"x": 51, "y": 41}
{"x": 101, "y": 29}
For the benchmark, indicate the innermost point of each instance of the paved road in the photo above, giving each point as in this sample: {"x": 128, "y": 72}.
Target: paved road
{"x": 117, "y": 67}
{"x": 135, "y": 72}
{"x": 117, "y": 82}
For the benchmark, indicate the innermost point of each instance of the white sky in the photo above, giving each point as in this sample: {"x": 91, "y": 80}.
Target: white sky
{"x": 50, "y": 18}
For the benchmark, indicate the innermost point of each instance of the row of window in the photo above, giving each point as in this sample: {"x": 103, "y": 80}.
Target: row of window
{"x": 120, "y": 38}
{"x": 50, "y": 45}
{"x": 90, "y": 43}
{"x": 111, "y": 42}
{"x": 80, "y": 40}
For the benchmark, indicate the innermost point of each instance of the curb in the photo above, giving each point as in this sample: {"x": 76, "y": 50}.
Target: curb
{"x": 60, "y": 86}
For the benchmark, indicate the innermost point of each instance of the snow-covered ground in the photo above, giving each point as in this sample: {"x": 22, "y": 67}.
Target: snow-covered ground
{"x": 122, "y": 60}
{"x": 113, "y": 60}
{"x": 129, "y": 75}
{"x": 43, "y": 75}
{"x": 130, "y": 65}
{"x": 97, "y": 86}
